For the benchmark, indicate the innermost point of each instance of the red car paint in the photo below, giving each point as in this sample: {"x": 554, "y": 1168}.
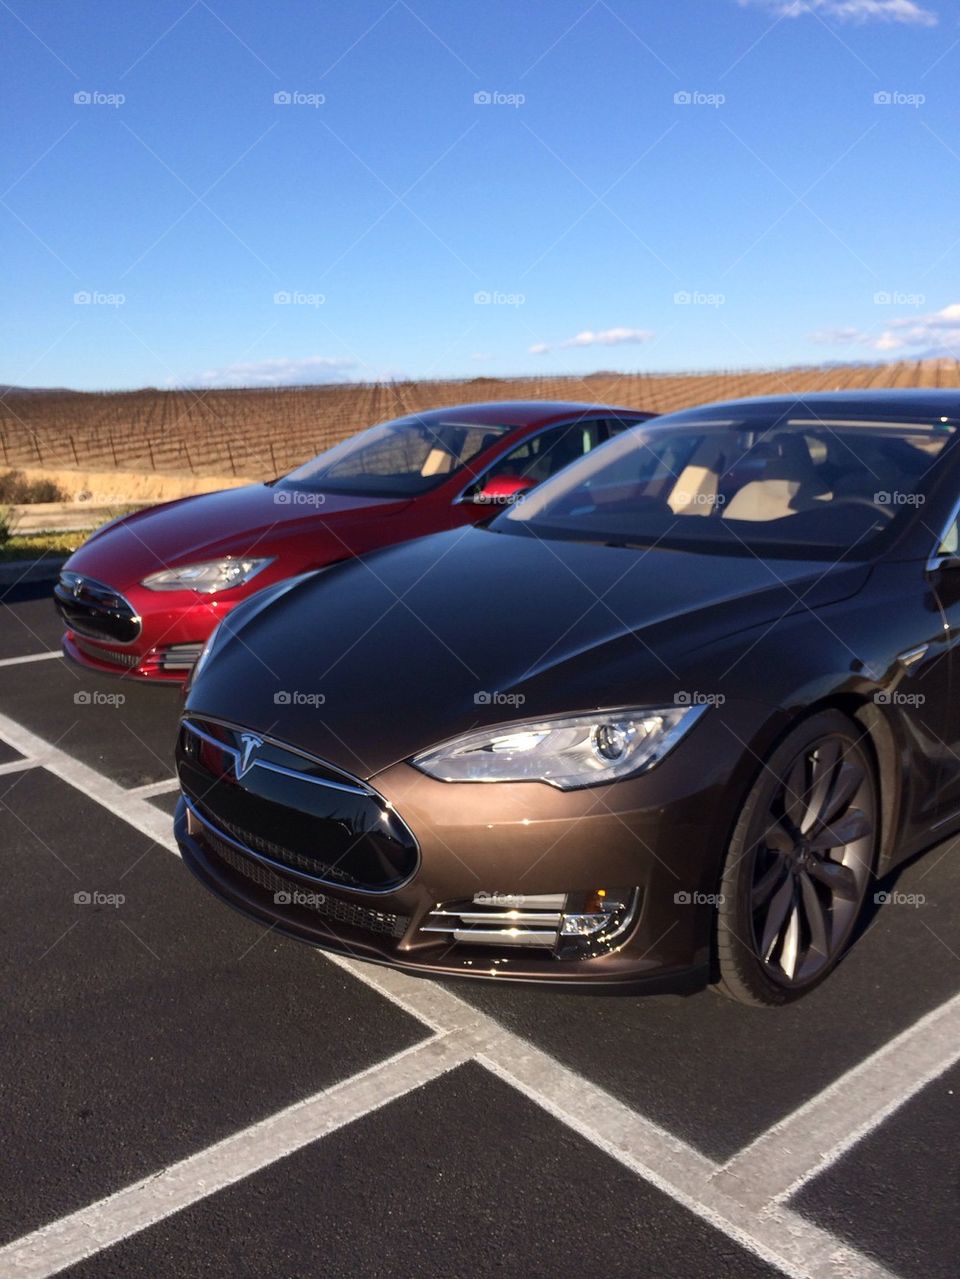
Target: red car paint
{"x": 298, "y": 531}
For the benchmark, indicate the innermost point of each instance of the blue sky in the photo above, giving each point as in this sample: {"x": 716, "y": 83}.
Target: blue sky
{"x": 638, "y": 186}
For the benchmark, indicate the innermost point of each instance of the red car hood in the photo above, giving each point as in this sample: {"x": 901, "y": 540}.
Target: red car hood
{"x": 258, "y": 519}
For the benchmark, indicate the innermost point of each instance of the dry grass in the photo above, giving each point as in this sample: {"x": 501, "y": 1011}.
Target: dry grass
{"x": 261, "y": 433}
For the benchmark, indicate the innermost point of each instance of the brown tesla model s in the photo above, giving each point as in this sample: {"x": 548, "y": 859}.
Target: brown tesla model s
{"x": 666, "y": 722}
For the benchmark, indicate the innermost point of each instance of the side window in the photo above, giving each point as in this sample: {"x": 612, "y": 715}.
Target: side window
{"x": 537, "y": 458}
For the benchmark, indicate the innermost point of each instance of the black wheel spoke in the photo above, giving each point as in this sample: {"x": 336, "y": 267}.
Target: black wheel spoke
{"x": 825, "y": 765}
{"x": 815, "y": 917}
{"x": 840, "y": 879}
{"x": 855, "y": 825}
{"x": 768, "y": 881}
{"x": 848, "y": 781}
{"x": 777, "y": 916}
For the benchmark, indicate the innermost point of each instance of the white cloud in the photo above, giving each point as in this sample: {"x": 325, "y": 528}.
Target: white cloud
{"x": 283, "y": 371}
{"x": 606, "y": 337}
{"x": 937, "y": 333}
{"x": 853, "y": 10}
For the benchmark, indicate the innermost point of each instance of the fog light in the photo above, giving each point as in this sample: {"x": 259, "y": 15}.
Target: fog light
{"x": 599, "y": 915}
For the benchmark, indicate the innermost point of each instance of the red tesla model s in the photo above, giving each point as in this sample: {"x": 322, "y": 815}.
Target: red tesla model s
{"x": 143, "y": 593}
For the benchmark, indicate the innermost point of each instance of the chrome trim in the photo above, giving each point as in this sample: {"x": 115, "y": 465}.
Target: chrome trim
{"x": 911, "y": 656}
{"x": 936, "y": 560}
{"x": 366, "y": 792}
{"x": 498, "y": 936}
{"x": 593, "y": 416}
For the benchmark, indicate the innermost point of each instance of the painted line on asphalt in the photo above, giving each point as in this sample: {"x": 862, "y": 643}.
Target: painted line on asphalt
{"x": 144, "y": 817}
{"x": 154, "y": 788}
{"x": 18, "y": 766}
{"x": 779, "y": 1237}
{"x": 808, "y": 1141}
{"x": 69, "y": 1240}
{"x": 30, "y": 657}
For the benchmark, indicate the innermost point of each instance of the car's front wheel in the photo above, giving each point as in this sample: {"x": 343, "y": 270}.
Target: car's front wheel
{"x": 799, "y": 864}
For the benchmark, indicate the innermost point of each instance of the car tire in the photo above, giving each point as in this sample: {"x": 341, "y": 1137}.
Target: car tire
{"x": 799, "y": 864}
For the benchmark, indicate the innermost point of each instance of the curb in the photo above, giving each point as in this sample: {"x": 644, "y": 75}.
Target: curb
{"x": 19, "y": 572}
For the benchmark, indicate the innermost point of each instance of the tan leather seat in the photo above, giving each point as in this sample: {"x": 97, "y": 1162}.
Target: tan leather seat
{"x": 789, "y": 484}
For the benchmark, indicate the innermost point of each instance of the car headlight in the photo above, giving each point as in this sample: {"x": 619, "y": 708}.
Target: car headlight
{"x": 208, "y": 577}
{"x": 582, "y": 750}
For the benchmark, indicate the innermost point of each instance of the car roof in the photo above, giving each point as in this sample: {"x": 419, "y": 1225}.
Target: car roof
{"x": 521, "y": 412}
{"x": 932, "y": 402}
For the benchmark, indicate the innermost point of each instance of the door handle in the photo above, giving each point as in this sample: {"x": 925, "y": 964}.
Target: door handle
{"x": 911, "y": 656}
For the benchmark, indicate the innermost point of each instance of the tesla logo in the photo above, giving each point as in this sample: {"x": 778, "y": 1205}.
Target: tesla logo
{"x": 249, "y": 745}
{"x": 77, "y": 587}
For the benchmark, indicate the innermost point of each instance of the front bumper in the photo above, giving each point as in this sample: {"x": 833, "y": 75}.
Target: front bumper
{"x": 508, "y": 840}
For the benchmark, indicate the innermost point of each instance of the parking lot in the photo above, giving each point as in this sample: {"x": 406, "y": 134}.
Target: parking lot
{"x": 185, "y": 1092}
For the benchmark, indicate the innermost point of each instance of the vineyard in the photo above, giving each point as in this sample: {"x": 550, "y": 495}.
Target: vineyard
{"x": 264, "y": 432}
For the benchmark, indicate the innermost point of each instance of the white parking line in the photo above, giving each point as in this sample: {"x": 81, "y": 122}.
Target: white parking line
{"x": 739, "y": 1199}
{"x": 31, "y": 657}
{"x": 144, "y": 817}
{"x": 154, "y": 788}
{"x": 780, "y": 1237}
{"x": 69, "y": 1240}
{"x": 817, "y": 1134}
{"x": 18, "y": 765}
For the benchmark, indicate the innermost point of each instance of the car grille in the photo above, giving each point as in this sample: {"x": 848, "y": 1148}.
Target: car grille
{"x": 299, "y": 815}
{"x": 100, "y": 654}
{"x": 499, "y": 920}
{"x": 286, "y": 892}
{"x": 91, "y": 608}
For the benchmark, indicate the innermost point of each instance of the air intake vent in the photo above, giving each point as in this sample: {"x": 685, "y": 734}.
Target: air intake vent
{"x": 497, "y": 919}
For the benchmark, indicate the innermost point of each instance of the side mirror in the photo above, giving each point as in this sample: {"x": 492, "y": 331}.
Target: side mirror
{"x": 500, "y": 490}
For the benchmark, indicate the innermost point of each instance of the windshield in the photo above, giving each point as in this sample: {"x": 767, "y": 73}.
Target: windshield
{"x": 762, "y": 481}
{"x": 402, "y": 458}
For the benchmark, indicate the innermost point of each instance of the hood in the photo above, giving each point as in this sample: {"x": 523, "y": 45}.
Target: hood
{"x": 370, "y": 661}
{"x": 241, "y": 521}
